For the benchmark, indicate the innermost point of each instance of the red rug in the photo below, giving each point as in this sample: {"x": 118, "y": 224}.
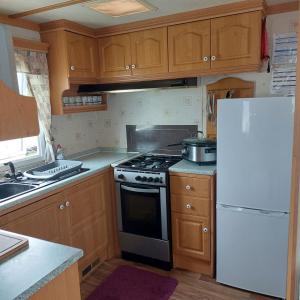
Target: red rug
{"x": 129, "y": 283}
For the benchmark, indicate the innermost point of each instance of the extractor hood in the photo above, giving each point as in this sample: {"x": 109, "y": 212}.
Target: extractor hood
{"x": 137, "y": 86}
{"x": 8, "y": 73}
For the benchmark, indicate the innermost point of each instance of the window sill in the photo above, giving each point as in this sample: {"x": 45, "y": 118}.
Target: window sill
{"x": 24, "y": 164}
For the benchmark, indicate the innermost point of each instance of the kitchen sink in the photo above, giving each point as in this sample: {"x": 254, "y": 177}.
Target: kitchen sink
{"x": 8, "y": 190}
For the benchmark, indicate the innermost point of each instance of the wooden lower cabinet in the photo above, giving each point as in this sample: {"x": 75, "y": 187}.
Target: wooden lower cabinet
{"x": 87, "y": 219}
{"x": 191, "y": 236}
{"x": 193, "y": 222}
{"x": 64, "y": 287}
{"x": 82, "y": 215}
{"x": 44, "y": 220}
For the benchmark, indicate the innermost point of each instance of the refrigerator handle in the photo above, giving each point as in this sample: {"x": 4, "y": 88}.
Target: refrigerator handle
{"x": 253, "y": 211}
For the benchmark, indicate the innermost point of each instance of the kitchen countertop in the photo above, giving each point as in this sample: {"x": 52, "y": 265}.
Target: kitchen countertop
{"x": 96, "y": 162}
{"x": 25, "y": 273}
{"x": 185, "y": 166}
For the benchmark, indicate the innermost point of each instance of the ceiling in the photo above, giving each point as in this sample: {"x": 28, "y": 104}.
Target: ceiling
{"x": 83, "y": 15}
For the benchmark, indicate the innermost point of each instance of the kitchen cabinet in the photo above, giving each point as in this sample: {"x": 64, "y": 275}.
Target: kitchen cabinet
{"x": 82, "y": 56}
{"x": 191, "y": 236}
{"x": 115, "y": 56}
{"x": 193, "y": 222}
{"x": 149, "y": 53}
{"x": 80, "y": 215}
{"x": 64, "y": 287}
{"x": 189, "y": 46}
{"x": 44, "y": 221}
{"x": 134, "y": 54}
{"x": 18, "y": 115}
{"x": 72, "y": 60}
{"x": 86, "y": 213}
{"x": 235, "y": 40}
{"x": 220, "y": 44}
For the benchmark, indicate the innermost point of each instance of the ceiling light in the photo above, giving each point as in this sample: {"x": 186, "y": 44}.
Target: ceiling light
{"x": 119, "y": 8}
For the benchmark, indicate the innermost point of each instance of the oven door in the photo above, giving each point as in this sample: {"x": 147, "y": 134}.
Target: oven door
{"x": 142, "y": 210}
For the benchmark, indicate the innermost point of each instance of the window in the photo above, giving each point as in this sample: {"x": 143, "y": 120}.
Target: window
{"x": 19, "y": 149}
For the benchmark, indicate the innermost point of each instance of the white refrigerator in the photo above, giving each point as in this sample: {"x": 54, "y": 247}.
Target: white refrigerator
{"x": 254, "y": 158}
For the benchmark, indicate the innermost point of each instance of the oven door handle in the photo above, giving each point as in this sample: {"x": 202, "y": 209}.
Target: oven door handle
{"x": 132, "y": 189}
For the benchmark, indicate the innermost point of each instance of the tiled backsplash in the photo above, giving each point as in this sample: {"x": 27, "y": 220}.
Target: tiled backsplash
{"x": 79, "y": 132}
{"x": 185, "y": 106}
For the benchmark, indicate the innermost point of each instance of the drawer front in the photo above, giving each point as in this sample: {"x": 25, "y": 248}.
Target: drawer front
{"x": 191, "y": 186}
{"x": 190, "y": 205}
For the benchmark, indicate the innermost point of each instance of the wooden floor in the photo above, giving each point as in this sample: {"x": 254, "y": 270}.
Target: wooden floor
{"x": 191, "y": 286}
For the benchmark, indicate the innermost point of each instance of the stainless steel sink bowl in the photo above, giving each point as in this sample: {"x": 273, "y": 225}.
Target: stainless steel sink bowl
{"x": 8, "y": 190}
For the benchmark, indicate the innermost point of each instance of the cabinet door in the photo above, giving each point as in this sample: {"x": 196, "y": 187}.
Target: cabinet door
{"x": 149, "y": 51}
{"x": 115, "y": 56}
{"x": 235, "y": 40}
{"x": 191, "y": 236}
{"x": 87, "y": 218}
{"x": 82, "y": 56}
{"x": 189, "y": 46}
{"x": 45, "y": 223}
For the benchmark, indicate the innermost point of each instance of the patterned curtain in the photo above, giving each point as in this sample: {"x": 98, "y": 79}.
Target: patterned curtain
{"x": 34, "y": 65}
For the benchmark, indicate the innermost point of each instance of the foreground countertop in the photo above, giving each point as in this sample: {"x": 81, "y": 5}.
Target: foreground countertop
{"x": 95, "y": 162}
{"x": 25, "y": 273}
{"x": 185, "y": 166}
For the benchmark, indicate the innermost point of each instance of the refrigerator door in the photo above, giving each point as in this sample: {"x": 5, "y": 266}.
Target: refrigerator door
{"x": 255, "y": 152}
{"x": 252, "y": 249}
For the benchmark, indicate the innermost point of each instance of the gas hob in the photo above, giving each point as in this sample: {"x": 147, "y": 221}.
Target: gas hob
{"x": 146, "y": 169}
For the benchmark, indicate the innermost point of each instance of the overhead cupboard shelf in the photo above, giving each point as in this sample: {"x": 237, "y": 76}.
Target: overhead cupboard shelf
{"x": 192, "y": 44}
{"x": 84, "y": 108}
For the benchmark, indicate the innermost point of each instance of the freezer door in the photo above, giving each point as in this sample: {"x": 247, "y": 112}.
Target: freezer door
{"x": 255, "y": 152}
{"x": 252, "y": 249}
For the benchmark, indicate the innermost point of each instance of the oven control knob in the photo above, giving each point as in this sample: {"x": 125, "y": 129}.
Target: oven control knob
{"x": 150, "y": 179}
{"x": 156, "y": 179}
{"x": 144, "y": 178}
{"x": 121, "y": 176}
{"x": 138, "y": 178}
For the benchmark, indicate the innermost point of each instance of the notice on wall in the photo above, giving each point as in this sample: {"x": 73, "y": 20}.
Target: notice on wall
{"x": 284, "y": 81}
{"x": 284, "y": 61}
{"x": 284, "y": 49}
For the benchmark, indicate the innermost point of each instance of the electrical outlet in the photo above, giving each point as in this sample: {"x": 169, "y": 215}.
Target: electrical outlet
{"x": 187, "y": 101}
{"x": 107, "y": 123}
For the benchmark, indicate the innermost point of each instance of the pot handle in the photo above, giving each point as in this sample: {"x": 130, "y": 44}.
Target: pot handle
{"x": 178, "y": 144}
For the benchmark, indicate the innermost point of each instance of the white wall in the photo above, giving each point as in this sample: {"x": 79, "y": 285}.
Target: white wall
{"x": 84, "y": 131}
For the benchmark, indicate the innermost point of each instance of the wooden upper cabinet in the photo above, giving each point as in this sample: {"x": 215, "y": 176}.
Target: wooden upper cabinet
{"x": 82, "y": 56}
{"x": 236, "y": 40}
{"x": 115, "y": 56}
{"x": 189, "y": 46}
{"x": 149, "y": 51}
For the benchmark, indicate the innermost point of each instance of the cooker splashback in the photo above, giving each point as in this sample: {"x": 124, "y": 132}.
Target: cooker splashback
{"x": 157, "y": 137}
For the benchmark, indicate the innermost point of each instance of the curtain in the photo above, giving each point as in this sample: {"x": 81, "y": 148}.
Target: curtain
{"x": 34, "y": 66}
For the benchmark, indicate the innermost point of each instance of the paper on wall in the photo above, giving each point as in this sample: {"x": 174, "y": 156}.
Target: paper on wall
{"x": 284, "y": 61}
{"x": 284, "y": 81}
{"x": 284, "y": 49}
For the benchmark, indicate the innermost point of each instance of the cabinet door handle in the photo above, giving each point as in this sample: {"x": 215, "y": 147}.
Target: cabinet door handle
{"x": 127, "y": 67}
{"x": 188, "y": 187}
{"x": 133, "y": 66}
{"x": 67, "y": 203}
{"x": 189, "y": 206}
{"x": 72, "y": 68}
{"x": 205, "y": 58}
{"x": 205, "y": 229}
{"x": 213, "y": 58}
{"x": 61, "y": 207}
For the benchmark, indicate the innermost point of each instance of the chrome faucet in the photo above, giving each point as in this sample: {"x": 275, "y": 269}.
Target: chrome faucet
{"x": 13, "y": 174}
